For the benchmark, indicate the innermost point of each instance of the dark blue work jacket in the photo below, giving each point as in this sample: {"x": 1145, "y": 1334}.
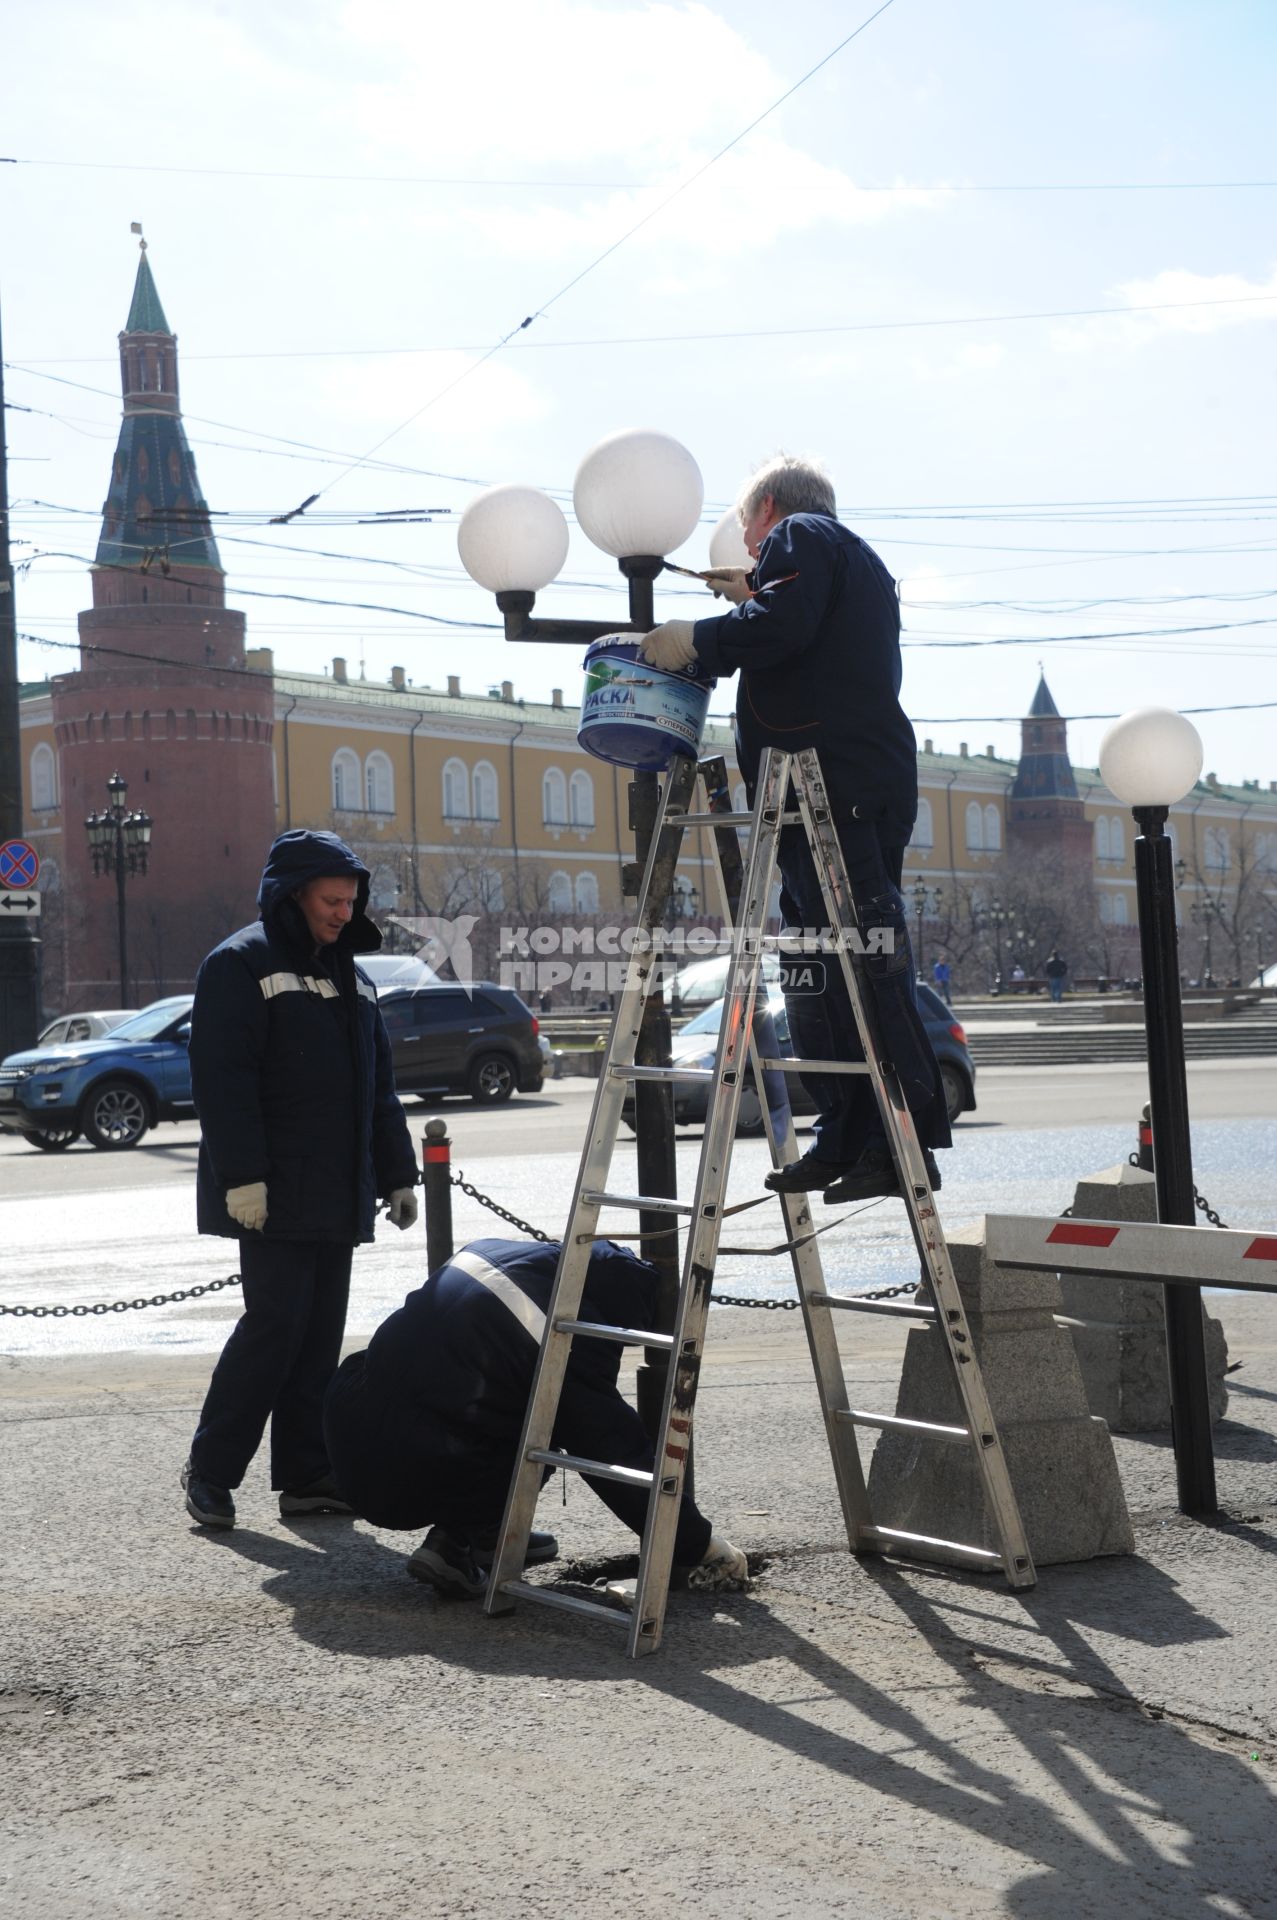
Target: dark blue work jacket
{"x": 291, "y": 1066}
{"x": 818, "y": 652}
{"x": 424, "y": 1425}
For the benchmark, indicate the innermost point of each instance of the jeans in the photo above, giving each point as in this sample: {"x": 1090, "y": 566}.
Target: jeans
{"x": 1056, "y": 989}
{"x": 821, "y": 1022}
{"x": 279, "y": 1359}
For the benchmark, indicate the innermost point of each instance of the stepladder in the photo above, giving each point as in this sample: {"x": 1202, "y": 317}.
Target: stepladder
{"x": 789, "y": 794}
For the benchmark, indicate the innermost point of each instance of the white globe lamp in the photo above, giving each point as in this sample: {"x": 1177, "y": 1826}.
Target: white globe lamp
{"x": 1151, "y": 757}
{"x": 638, "y": 493}
{"x": 513, "y": 539}
{"x": 727, "y": 543}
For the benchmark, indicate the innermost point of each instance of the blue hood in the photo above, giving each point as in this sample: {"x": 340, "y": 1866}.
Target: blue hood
{"x": 311, "y": 853}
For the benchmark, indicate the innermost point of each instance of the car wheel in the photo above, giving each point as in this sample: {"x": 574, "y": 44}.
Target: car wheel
{"x": 115, "y": 1116}
{"x": 55, "y": 1142}
{"x": 749, "y": 1118}
{"x": 491, "y": 1078}
{"x": 955, "y": 1090}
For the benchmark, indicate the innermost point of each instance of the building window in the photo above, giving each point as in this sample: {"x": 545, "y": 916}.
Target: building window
{"x": 559, "y": 896}
{"x": 456, "y": 790}
{"x": 1217, "y": 850}
{"x": 975, "y": 828}
{"x": 1106, "y": 909}
{"x": 44, "y": 779}
{"x": 346, "y": 797}
{"x": 581, "y": 800}
{"x": 1119, "y": 910}
{"x": 383, "y": 889}
{"x": 554, "y": 798}
{"x": 1102, "y": 837}
{"x": 922, "y": 829}
{"x": 491, "y": 891}
{"x": 484, "y": 785}
{"x": 587, "y": 893}
{"x": 50, "y": 876}
{"x": 379, "y": 783}
{"x": 992, "y": 829}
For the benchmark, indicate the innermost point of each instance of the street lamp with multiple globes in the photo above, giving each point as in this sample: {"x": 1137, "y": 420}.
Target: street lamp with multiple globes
{"x": 120, "y": 842}
{"x": 637, "y": 496}
{"x": 925, "y": 900}
{"x": 1149, "y": 759}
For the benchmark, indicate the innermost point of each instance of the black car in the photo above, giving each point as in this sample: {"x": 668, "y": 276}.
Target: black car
{"x": 480, "y": 1040}
{"x": 694, "y": 1046}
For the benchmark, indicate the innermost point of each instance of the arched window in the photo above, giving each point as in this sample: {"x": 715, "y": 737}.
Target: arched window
{"x": 44, "y": 778}
{"x": 484, "y": 785}
{"x": 1102, "y": 837}
{"x": 1106, "y": 908}
{"x": 554, "y": 798}
{"x": 992, "y": 829}
{"x": 346, "y": 797}
{"x": 1117, "y": 838}
{"x": 379, "y": 783}
{"x": 1217, "y": 850}
{"x": 456, "y": 790}
{"x": 581, "y": 800}
{"x": 922, "y": 831}
{"x": 587, "y": 892}
{"x": 975, "y": 828}
{"x": 1119, "y": 910}
{"x": 559, "y": 893}
{"x": 383, "y": 889}
{"x": 491, "y": 891}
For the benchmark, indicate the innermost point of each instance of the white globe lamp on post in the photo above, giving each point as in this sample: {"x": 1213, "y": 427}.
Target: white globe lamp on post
{"x": 1150, "y": 759}
{"x": 727, "y": 543}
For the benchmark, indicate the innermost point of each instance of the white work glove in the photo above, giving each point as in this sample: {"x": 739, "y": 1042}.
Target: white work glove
{"x": 670, "y": 647}
{"x": 401, "y": 1208}
{"x": 247, "y": 1205}
{"x": 729, "y": 583}
{"x": 724, "y": 1569}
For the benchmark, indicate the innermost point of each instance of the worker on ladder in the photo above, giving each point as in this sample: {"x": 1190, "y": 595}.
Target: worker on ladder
{"x": 423, "y": 1426}
{"x": 815, "y": 634}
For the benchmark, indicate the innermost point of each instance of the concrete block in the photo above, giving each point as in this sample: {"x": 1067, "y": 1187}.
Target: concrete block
{"x": 1119, "y": 1326}
{"x": 1059, "y": 1457}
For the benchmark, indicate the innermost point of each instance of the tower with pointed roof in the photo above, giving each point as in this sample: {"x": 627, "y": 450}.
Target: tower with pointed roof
{"x": 1045, "y": 813}
{"x": 162, "y": 696}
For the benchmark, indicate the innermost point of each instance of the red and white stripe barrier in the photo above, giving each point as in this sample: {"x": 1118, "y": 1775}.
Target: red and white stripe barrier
{"x": 1189, "y": 1256}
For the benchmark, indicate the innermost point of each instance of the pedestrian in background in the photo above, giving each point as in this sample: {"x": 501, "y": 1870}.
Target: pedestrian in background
{"x": 1056, "y": 971}
{"x": 942, "y": 974}
{"x": 301, "y": 1133}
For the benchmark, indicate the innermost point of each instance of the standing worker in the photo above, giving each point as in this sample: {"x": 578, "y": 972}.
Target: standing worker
{"x": 815, "y": 634}
{"x": 301, "y": 1132}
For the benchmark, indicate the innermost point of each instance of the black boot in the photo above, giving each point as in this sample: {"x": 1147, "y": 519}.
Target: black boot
{"x": 874, "y": 1177}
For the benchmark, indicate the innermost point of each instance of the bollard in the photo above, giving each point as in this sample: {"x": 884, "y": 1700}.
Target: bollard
{"x": 436, "y": 1161}
{"x": 1144, "y": 1153}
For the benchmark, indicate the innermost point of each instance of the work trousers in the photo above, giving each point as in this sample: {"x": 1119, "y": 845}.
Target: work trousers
{"x": 276, "y": 1365}
{"x": 821, "y": 1023}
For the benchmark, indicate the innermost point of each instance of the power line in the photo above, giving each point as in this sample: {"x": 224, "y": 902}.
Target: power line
{"x": 629, "y": 233}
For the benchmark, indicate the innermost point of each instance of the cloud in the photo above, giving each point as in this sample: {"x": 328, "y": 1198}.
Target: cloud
{"x": 379, "y": 395}
{"x": 1182, "y": 302}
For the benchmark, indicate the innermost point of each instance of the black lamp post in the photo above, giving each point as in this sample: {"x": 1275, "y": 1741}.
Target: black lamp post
{"x": 924, "y": 898}
{"x": 120, "y": 843}
{"x": 1149, "y": 760}
{"x": 1205, "y": 912}
{"x": 997, "y": 916}
{"x": 638, "y": 497}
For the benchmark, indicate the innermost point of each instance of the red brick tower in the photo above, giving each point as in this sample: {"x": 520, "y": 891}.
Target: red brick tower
{"x": 1045, "y": 814}
{"x": 161, "y": 697}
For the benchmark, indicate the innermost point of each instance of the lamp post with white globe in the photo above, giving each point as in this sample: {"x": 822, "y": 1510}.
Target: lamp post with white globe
{"x": 1150, "y": 759}
{"x": 637, "y": 496}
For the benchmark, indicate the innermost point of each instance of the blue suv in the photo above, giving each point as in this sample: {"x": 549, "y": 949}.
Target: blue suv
{"x": 112, "y": 1091}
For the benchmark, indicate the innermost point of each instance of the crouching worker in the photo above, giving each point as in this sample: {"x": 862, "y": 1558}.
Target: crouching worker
{"x": 423, "y": 1426}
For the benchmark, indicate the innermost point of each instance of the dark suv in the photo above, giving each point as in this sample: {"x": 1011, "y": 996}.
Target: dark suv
{"x": 479, "y": 1040}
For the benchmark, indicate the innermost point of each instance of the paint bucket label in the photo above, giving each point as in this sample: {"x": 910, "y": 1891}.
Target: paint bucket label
{"x": 637, "y": 715}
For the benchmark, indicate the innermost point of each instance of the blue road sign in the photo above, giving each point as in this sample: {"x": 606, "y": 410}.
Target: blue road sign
{"x": 19, "y": 864}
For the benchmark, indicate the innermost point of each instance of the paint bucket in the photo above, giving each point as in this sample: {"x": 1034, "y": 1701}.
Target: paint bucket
{"x": 637, "y": 715}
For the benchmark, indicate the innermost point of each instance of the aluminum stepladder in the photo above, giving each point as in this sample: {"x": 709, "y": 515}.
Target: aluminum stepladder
{"x": 746, "y": 888}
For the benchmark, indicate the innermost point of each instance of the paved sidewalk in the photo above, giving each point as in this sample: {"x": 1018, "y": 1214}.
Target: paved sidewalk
{"x": 279, "y": 1722}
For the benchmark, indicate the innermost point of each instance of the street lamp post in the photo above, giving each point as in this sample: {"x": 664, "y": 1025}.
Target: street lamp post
{"x": 924, "y": 897}
{"x": 637, "y": 496}
{"x": 1149, "y": 759}
{"x": 120, "y": 843}
{"x": 1205, "y": 912}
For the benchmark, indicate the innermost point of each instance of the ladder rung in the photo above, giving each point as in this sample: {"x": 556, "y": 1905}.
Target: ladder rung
{"x": 892, "y": 1423}
{"x": 652, "y": 1203}
{"x": 626, "y": 1072}
{"x": 850, "y": 1304}
{"x": 789, "y": 1064}
{"x": 597, "y": 1469}
{"x": 567, "y": 1602}
{"x": 973, "y": 1556}
{"x": 624, "y": 1336}
{"x": 710, "y": 819}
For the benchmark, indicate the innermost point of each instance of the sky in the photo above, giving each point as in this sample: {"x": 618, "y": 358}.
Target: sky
{"x": 909, "y": 268}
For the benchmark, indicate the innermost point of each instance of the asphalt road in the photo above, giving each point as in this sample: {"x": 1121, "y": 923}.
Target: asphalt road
{"x": 553, "y": 1122}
